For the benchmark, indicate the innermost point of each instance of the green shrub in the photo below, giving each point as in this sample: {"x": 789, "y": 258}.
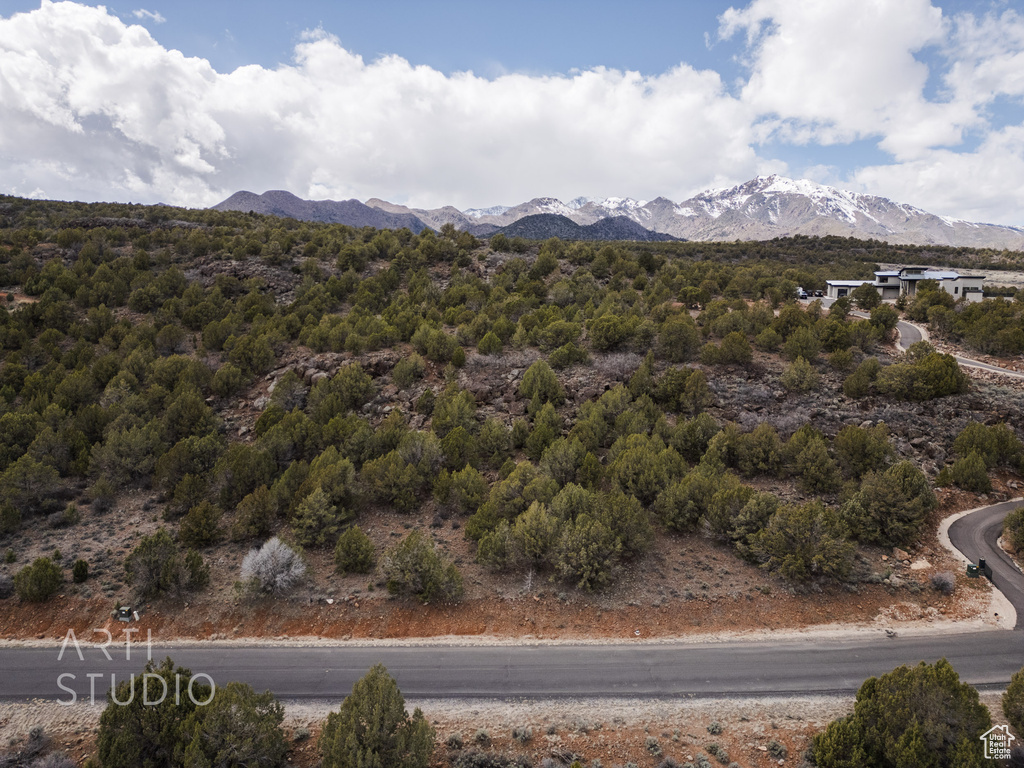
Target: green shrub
{"x": 70, "y": 516}
{"x": 10, "y": 519}
{"x": 866, "y": 296}
{"x": 490, "y": 344}
{"x": 858, "y": 384}
{"x": 996, "y": 444}
{"x": 678, "y": 339}
{"x": 1013, "y": 701}
{"x": 414, "y": 567}
{"x": 408, "y": 370}
{"x": 861, "y": 450}
{"x": 800, "y": 376}
{"x": 462, "y": 491}
{"x": 459, "y": 448}
{"x": 497, "y": 548}
{"x": 735, "y": 350}
{"x": 803, "y": 543}
{"x": 1013, "y": 528}
{"x": 911, "y": 716}
{"x": 683, "y": 503}
{"x": 239, "y": 722}
{"x": 200, "y": 527}
{"x": 38, "y": 582}
{"x": 801, "y": 343}
{"x": 768, "y": 340}
{"x": 891, "y": 506}
{"x": 137, "y": 734}
{"x": 350, "y": 388}
{"x": 80, "y": 571}
{"x": 354, "y": 552}
{"x": 589, "y": 553}
{"x": 254, "y": 515}
{"x": 157, "y": 567}
{"x": 536, "y": 533}
{"x": 817, "y": 472}
{"x": 227, "y": 381}
{"x": 925, "y": 376}
{"x": 567, "y": 355}
{"x": 317, "y": 522}
{"x": 373, "y": 728}
{"x": 540, "y": 383}
{"x": 454, "y": 408}
{"x": 969, "y": 472}
{"x": 841, "y": 360}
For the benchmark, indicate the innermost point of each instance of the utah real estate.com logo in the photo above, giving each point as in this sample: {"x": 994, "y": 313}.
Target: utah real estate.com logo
{"x": 997, "y": 742}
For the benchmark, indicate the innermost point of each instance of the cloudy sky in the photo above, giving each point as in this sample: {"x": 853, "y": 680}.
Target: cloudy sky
{"x": 482, "y": 103}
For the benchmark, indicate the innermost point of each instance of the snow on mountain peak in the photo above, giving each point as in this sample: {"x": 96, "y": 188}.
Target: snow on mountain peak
{"x": 494, "y": 210}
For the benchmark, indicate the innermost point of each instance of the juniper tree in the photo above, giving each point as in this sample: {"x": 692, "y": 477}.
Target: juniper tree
{"x": 372, "y": 729}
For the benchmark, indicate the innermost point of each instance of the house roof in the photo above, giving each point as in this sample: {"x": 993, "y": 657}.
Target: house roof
{"x": 932, "y": 274}
{"x": 889, "y": 273}
{"x": 848, "y": 283}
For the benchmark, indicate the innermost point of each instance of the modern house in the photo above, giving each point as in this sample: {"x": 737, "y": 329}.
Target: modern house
{"x": 891, "y": 284}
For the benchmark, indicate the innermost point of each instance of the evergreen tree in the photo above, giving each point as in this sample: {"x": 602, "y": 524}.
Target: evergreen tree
{"x": 238, "y": 729}
{"x": 134, "y": 734}
{"x": 912, "y": 717}
{"x": 414, "y": 567}
{"x": 317, "y": 522}
{"x": 354, "y": 552}
{"x": 38, "y": 582}
{"x": 373, "y": 729}
{"x": 803, "y": 542}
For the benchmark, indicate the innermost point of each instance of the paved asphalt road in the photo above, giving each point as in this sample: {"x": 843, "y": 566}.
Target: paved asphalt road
{"x": 639, "y": 670}
{"x": 976, "y": 535}
{"x": 909, "y": 334}
{"x": 985, "y": 659}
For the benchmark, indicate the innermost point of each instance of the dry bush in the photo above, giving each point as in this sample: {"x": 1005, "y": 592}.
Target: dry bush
{"x": 273, "y": 568}
{"x": 617, "y": 365}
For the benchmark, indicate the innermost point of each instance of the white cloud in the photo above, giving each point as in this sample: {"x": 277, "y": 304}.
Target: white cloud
{"x": 831, "y": 72}
{"x": 96, "y": 108}
{"x": 840, "y": 70}
{"x": 155, "y": 16}
{"x": 92, "y": 108}
{"x": 986, "y": 185}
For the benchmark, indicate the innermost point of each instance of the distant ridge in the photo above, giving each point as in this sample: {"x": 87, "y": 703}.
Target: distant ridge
{"x": 760, "y": 209}
{"x": 541, "y": 226}
{"x": 352, "y": 212}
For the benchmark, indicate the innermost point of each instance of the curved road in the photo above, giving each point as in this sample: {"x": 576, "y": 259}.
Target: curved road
{"x": 911, "y": 334}
{"x": 984, "y": 659}
{"x": 977, "y": 535}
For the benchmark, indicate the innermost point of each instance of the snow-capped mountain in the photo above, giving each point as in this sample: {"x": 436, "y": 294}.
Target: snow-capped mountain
{"x": 494, "y": 210}
{"x": 760, "y": 209}
{"x": 774, "y": 206}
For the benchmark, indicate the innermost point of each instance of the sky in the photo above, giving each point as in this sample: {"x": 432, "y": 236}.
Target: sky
{"x": 474, "y": 104}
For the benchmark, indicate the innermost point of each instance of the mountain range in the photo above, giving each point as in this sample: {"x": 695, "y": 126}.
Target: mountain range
{"x": 760, "y": 209}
